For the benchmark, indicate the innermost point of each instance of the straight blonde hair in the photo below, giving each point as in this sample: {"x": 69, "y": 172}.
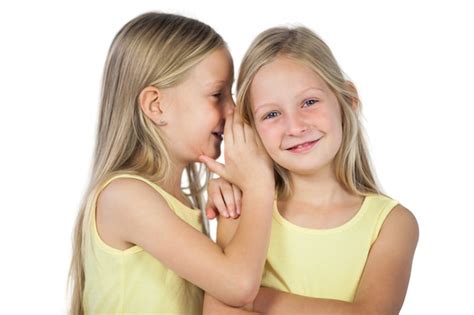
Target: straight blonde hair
{"x": 352, "y": 161}
{"x": 153, "y": 49}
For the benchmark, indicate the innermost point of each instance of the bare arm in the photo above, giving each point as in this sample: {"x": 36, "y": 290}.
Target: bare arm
{"x": 131, "y": 212}
{"x": 383, "y": 284}
{"x": 142, "y": 217}
{"x": 226, "y": 230}
{"x": 212, "y": 306}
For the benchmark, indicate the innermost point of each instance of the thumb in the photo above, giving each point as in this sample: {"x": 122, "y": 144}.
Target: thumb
{"x": 213, "y": 165}
{"x": 210, "y": 208}
{"x": 211, "y": 213}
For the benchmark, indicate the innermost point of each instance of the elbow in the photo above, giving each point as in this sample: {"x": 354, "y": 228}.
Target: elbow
{"x": 246, "y": 289}
{"x": 249, "y": 291}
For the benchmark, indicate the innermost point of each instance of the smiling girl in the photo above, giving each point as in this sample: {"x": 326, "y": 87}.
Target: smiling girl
{"x": 338, "y": 245}
{"x": 139, "y": 243}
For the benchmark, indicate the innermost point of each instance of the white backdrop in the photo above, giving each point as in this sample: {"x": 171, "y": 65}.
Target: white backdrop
{"x": 412, "y": 63}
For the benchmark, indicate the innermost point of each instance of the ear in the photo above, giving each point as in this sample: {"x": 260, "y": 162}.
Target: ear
{"x": 150, "y": 103}
{"x": 355, "y": 95}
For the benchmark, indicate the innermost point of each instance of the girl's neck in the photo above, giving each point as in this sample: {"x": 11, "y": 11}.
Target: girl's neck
{"x": 320, "y": 189}
{"x": 173, "y": 183}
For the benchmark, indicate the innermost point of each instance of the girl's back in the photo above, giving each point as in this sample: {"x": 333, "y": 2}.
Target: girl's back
{"x": 132, "y": 280}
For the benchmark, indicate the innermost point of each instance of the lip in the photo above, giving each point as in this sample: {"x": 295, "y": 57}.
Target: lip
{"x": 303, "y": 147}
{"x": 218, "y": 135}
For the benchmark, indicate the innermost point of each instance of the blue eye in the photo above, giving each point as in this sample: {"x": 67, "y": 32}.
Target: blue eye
{"x": 270, "y": 115}
{"x": 310, "y": 102}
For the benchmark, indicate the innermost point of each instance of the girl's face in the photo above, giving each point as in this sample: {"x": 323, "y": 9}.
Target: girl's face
{"x": 296, "y": 115}
{"x": 195, "y": 116}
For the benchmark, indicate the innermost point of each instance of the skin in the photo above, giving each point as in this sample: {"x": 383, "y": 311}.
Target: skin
{"x": 130, "y": 212}
{"x": 292, "y": 105}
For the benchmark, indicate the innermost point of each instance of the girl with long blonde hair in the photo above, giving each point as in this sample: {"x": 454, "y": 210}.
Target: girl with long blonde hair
{"x": 139, "y": 242}
{"x": 338, "y": 244}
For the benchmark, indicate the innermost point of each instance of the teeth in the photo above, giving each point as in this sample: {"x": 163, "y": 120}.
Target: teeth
{"x": 299, "y": 146}
{"x": 296, "y": 147}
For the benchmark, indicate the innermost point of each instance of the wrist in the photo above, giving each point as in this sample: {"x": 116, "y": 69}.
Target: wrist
{"x": 259, "y": 188}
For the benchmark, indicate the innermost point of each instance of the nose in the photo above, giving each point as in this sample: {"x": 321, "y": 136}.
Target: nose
{"x": 229, "y": 104}
{"x": 296, "y": 124}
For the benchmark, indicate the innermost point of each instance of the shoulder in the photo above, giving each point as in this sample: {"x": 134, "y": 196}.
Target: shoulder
{"x": 126, "y": 207}
{"x": 127, "y": 184}
{"x": 126, "y": 190}
{"x": 401, "y": 223}
{"x": 124, "y": 194}
{"x": 403, "y": 218}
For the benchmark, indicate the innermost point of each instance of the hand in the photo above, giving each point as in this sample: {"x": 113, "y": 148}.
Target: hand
{"x": 247, "y": 164}
{"x": 224, "y": 198}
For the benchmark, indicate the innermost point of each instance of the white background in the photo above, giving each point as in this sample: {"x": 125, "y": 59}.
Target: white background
{"x": 413, "y": 66}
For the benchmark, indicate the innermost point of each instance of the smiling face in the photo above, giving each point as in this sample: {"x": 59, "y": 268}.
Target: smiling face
{"x": 196, "y": 108}
{"x": 296, "y": 115}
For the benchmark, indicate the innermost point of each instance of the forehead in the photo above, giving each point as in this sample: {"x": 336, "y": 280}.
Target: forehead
{"x": 217, "y": 66}
{"x": 281, "y": 77}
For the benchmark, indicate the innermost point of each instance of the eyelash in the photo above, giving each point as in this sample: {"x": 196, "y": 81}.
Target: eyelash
{"x": 311, "y": 100}
{"x": 267, "y": 116}
{"x": 218, "y": 95}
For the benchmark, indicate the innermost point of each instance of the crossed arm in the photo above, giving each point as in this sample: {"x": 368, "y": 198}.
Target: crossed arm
{"x": 381, "y": 290}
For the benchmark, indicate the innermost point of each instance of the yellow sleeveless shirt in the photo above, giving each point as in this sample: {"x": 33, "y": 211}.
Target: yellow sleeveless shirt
{"x": 132, "y": 281}
{"x": 324, "y": 263}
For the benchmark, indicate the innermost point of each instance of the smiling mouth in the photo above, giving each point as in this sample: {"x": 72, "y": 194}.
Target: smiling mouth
{"x": 303, "y": 147}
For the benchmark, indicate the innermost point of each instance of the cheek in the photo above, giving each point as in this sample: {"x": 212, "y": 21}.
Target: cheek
{"x": 214, "y": 112}
{"x": 335, "y": 126}
{"x": 270, "y": 137}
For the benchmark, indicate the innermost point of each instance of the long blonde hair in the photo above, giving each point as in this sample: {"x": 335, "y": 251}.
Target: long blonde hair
{"x": 153, "y": 49}
{"x": 352, "y": 161}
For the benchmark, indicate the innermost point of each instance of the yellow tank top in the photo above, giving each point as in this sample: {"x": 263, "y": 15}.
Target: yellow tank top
{"x": 324, "y": 263}
{"x": 132, "y": 281}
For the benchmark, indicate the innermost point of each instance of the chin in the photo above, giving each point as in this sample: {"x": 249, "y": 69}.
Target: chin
{"x": 301, "y": 168}
{"x": 214, "y": 153}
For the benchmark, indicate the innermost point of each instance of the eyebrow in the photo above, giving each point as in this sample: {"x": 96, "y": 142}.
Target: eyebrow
{"x": 219, "y": 82}
{"x": 299, "y": 93}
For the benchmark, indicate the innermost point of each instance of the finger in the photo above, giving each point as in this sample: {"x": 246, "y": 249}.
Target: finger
{"x": 237, "y": 198}
{"x": 213, "y": 165}
{"x": 211, "y": 213}
{"x": 228, "y": 134}
{"x": 249, "y": 133}
{"x": 228, "y": 197}
{"x": 219, "y": 203}
{"x": 259, "y": 142}
{"x": 238, "y": 128}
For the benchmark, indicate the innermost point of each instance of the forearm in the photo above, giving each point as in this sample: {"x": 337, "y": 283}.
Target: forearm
{"x": 249, "y": 245}
{"x": 271, "y": 301}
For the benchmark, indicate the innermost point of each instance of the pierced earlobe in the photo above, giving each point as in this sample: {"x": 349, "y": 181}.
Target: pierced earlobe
{"x": 161, "y": 122}
{"x": 150, "y": 104}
